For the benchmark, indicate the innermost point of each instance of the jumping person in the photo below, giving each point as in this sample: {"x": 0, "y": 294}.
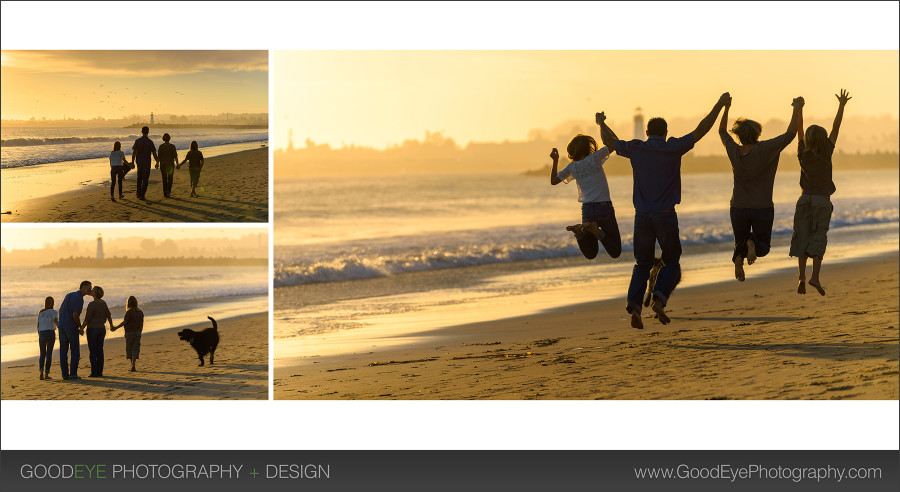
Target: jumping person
{"x": 812, "y": 215}
{"x": 753, "y": 163}
{"x": 656, "y": 167}
{"x": 598, "y": 217}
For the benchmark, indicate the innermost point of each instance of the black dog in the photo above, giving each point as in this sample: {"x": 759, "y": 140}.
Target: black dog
{"x": 204, "y": 341}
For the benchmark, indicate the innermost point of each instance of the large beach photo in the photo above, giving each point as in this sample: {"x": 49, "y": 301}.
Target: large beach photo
{"x": 134, "y": 313}
{"x": 586, "y": 225}
{"x": 134, "y": 136}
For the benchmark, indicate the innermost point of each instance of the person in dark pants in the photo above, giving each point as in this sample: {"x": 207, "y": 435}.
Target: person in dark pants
{"x": 598, "y": 217}
{"x": 754, "y": 164}
{"x": 656, "y": 166}
{"x": 116, "y": 170}
{"x": 168, "y": 158}
{"x": 70, "y": 330}
{"x": 95, "y": 317}
{"x": 142, "y": 149}
{"x": 194, "y": 158}
{"x": 48, "y": 321}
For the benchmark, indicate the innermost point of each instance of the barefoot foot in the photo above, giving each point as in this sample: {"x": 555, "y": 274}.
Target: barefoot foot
{"x": 818, "y": 286}
{"x": 660, "y": 311}
{"x": 575, "y": 229}
{"x": 751, "y": 252}
{"x": 801, "y": 287}
{"x": 636, "y": 321}
{"x": 739, "y": 270}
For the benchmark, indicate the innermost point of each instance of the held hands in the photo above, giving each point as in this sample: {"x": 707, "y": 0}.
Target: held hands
{"x": 798, "y": 102}
{"x": 725, "y": 99}
{"x": 600, "y": 118}
{"x": 554, "y": 154}
{"x": 728, "y": 102}
{"x": 843, "y": 98}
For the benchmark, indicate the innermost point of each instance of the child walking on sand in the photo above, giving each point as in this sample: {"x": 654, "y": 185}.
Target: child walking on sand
{"x": 194, "y": 158}
{"x": 47, "y": 322}
{"x": 598, "y": 217}
{"x": 812, "y": 215}
{"x": 134, "y": 325}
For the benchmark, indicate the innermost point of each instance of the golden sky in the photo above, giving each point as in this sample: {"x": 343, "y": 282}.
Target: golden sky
{"x": 378, "y": 98}
{"x": 115, "y": 84}
{"x": 19, "y": 238}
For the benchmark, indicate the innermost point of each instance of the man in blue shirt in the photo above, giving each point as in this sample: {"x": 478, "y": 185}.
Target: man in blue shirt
{"x": 70, "y": 329}
{"x": 142, "y": 149}
{"x": 656, "y": 166}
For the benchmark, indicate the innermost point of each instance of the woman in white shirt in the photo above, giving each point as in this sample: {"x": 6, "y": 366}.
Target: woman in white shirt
{"x": 116, "y": 170}
{"x": 48, "y": 320}
{"x": 597, "y": 213}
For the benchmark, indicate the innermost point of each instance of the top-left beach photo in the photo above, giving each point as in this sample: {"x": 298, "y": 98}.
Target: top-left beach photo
{"x": 134, "y": 136}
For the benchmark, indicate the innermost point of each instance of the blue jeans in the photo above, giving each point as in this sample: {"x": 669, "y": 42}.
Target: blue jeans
{"x": 46, "y": 339}
{"x": 650, "y": 228}
{"x": 68, "y": 339}
{"x": 755, "y": 224}
{"x": 604, "y": 215}
{"x": 95, "y": 337}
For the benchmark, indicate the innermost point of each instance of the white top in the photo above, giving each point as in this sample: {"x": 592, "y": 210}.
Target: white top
{"x": 116, "y": 157}
{"x": 589, "y": 177}
{"x": 45, "y": 319}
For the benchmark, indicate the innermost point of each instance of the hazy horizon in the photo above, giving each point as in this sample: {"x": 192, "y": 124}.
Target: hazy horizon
{"x": 380, "y": 99}
{"x": 111, "y": 84}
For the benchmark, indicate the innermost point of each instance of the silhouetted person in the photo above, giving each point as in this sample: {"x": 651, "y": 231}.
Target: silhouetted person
{"x": 598, "y": 217}
{"x": 95, "y": 318}
{"x": 134, "y": 325}
{"x": 142, "y": 149}
{"x": 70, "y": 330}
{"x": 812, "y": 215}
{"x": 116, "y": 170}
{"x": 168, "y": 158}
{"x": 194, "y": 158}
{"x": 754, "y": 164}
{"x": 47, "y": 324}
{"x": 656, "y": 166}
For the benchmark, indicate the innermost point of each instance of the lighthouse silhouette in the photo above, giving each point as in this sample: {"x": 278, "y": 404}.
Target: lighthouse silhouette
{"x": 99, "y": 246}
{"x": 638, "y": 124}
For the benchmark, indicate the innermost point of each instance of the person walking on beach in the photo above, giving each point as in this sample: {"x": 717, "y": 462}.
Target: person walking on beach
{"x": 70, "y": 329}
{"x": 142, "y": 149}
{"x": 47, "y": 322}
{"x": 134, "y": 325}
{"x": 95, "y": 318}
{"x": 753, "y": 163}
{"x": 168, "y": 158}
{"x": 194, "y": 158}
{"x": 598, "y": 217}
{"x": 656, "y": 166}
{"x": 116, "y": 170}
{"x": 812, "y": 215}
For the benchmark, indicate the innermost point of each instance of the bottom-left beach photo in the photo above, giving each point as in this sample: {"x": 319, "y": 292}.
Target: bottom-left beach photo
{"x": 134, "y": 313}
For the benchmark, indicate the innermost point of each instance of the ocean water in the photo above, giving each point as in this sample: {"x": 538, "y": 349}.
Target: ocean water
{"x": 25, "y": 287}
{"x": 340, "y": 229}
{"x": 22, "y": 147}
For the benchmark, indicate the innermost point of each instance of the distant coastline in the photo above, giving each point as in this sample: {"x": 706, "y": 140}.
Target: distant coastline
{"x": 126, "y": 262}
{"x": 187, "y": 125}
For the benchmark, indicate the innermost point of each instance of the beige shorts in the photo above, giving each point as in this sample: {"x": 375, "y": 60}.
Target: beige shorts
{"x": 812, "y": 217}
{"x": 132, "y": 345}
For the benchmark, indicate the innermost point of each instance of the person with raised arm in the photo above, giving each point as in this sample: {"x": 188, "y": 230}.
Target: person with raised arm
{"x": 812, "y": 215}
{"x": 656, "y": 167}
{"x": 598, "y": 217}
{"x": 754, "y": 163}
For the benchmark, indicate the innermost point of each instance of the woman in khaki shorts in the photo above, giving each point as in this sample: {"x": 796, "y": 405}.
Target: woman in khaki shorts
{"x": 813, "y": 213}
{"x": 134, "y": 325}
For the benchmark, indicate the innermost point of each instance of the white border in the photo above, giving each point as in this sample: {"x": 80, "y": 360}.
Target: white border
{"x": 457, "y": 425}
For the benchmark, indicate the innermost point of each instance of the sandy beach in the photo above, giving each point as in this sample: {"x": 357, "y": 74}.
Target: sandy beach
{"x": 233, "y": 187}
{"x": 167, "y": 368}
{"x": 727, "y": 340}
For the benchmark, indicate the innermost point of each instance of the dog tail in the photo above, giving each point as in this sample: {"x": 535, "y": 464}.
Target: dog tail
{"x": 215, "y": 326}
